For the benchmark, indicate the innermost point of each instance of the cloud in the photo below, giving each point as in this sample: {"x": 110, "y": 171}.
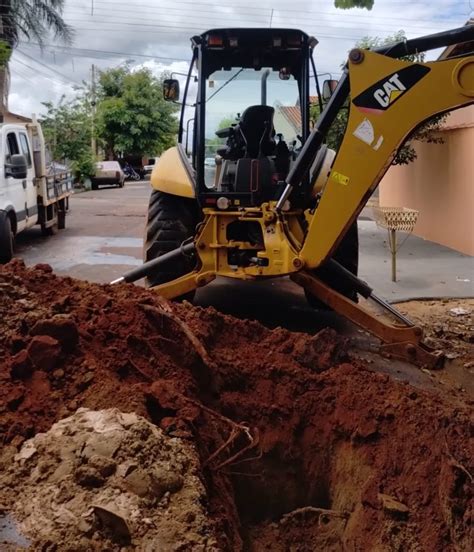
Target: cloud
{"x": 155, "y": 34}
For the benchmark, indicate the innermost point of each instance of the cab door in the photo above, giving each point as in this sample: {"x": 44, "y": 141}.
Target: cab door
{"x": 13, "y": 189}
{"x": 31, "y": 193}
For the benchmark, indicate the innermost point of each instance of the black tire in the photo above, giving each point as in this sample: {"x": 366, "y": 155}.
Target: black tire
{"x": 6, "y": 238}
{"x": 171, "y": 220}
{"x": 62, "y": 215}
{"x": 94, "y": 186}
{"x": 347, "y": 254}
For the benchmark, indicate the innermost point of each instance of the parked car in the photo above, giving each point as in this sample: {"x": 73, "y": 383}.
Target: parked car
{"x": 148, "y": 169}
{"x": 108, "y": 172}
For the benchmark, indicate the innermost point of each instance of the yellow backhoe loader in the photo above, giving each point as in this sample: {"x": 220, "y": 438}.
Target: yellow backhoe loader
{"x": 251, "y": 191}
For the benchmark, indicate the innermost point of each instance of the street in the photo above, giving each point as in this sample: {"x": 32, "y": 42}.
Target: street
{"x": 103, "y": 239}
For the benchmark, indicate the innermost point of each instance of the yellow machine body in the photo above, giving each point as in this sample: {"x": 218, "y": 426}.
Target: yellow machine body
{"x": 296, "y": 240}
{"x": 172, "y": 174}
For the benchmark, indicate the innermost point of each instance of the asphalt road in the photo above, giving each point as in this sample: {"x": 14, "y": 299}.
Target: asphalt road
{"x": 103, "y": 239}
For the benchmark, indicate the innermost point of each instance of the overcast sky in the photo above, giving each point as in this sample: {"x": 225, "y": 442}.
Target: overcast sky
{"x": 155, "y": 34}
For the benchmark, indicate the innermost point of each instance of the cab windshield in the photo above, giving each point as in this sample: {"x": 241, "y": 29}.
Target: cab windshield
{"x": 230, "y": 93}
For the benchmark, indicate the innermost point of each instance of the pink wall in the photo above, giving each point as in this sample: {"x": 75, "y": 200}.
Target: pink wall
{"x": 440, "y": 185}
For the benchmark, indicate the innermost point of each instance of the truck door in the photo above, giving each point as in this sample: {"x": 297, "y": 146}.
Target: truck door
{"x": 14, "y": 192}
{"x": 31, "y": 193}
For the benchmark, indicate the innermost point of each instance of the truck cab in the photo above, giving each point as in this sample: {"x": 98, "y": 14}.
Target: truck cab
{"x": 18, "y": 189}
{"x": 28, "y": 195}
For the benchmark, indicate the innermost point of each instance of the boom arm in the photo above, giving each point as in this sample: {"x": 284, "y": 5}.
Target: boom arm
{"x": 389, "y": 99}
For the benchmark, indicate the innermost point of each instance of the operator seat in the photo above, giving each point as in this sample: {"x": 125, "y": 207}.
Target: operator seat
{"x": 256, "y": 126}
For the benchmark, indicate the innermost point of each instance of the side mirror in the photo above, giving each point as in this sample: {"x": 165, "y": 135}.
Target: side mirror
{"x": 171, "y": 90}
{"x": 328, "y": 89}
{"x": 17, "y": 168}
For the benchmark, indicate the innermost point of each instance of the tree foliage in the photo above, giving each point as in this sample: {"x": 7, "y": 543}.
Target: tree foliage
{"x": 428, "y": 132}
{"x": 212, "y": 144}
{"x": 348, "y": 4}
{"x": 35, "y": 19}
{"x": 67, "y": 129}
{"x": 132, "y": 116}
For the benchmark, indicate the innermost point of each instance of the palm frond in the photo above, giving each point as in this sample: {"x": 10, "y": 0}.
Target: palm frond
{"x": 34, "y": 19}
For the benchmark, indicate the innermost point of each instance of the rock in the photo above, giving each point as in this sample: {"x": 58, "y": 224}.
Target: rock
{"x": 393, "y": 507}
{"x": 20, "y": 366}
{"x": 15, "y": 396}
{"x": 88, "y": 476}
{"x": 44, "y": 352}
{"x": 105, "y": 466}
{"x": 62, "y": 328}
{"x": 43, "y": 267}
{"x": 58, "y": 374}
{"x": 114, "y": 521}
{"x": 139, "y": 482}
{"x": 163, "y": 481}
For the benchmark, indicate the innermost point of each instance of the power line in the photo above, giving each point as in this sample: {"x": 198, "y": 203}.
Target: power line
{"x": 107, "y": 52}
{"x": 266, "y": 12}
{"x": 48, "y": 67}
{"x": 39, "y": 73}
{"x": 341, "y": 24}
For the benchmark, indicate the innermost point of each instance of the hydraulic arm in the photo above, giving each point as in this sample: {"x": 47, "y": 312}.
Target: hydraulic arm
{"x": 387, "y": 99}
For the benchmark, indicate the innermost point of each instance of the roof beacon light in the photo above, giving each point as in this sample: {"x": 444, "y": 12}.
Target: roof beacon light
{"x": 215, "y": 41}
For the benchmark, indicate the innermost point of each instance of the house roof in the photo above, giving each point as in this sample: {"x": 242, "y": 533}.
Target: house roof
{"x": 292, "y": 114}
{"x": 15, "y": 117}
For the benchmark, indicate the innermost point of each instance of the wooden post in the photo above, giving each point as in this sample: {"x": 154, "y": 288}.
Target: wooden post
{"x": 392, "y": 240}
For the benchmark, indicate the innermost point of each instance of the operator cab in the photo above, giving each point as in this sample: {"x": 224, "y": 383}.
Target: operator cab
{"x": 251, "y": 113}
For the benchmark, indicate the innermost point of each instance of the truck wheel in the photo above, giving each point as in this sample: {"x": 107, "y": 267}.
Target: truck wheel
{"x": 347, "y": 254}
{"x": 6, "y": 238}
{"x": 62, "y": 215}
{"x": 171, "y": 220}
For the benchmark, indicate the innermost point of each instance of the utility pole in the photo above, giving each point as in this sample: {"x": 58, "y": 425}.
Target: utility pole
{"x": 93, "y": 104}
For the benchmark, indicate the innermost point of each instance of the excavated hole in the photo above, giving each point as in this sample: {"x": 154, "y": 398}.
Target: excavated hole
{"x": 282, "y": 498}
{"x": 276, "y": 486}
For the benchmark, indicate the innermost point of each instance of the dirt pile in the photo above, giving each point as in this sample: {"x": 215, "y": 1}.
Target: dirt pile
{"x": 300, "y": 447}
{"x": 103, "y": 479}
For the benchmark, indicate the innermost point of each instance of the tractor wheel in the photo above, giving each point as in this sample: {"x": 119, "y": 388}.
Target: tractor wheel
{"x": 171, "y": 220}
{"x": 6, "y": 238}
{"x": 347, "y": 254}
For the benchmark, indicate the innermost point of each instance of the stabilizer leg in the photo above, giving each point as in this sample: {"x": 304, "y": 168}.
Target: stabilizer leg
{"x": 403, "y": 342}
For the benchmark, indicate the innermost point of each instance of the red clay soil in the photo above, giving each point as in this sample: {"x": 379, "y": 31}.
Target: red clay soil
{"x": 302, "y": 448}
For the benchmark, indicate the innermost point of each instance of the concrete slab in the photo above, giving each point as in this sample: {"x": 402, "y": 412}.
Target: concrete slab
{"x": 424, "y": 268}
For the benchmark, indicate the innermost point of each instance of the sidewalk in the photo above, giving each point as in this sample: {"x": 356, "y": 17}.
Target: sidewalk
{"x": 424, "y": 268}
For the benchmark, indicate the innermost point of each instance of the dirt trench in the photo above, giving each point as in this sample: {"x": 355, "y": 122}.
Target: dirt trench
{"x": 301, "y": 447}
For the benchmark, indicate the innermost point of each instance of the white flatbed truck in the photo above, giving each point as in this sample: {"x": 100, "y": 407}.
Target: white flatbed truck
{"x": 28, "y": 194}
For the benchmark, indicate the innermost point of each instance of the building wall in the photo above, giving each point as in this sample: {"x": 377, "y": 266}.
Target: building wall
{"x": 440, "y": 185}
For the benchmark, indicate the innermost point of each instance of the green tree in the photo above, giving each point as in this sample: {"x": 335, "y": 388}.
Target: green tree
{"x": 348, "y": 4}
{"x": 212, "y": 144}
{"x": 428, "y": 132}
{"x": 35, "y": 19}
{"x": 67, "y": 131}
{"x": 132, "y": 116}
